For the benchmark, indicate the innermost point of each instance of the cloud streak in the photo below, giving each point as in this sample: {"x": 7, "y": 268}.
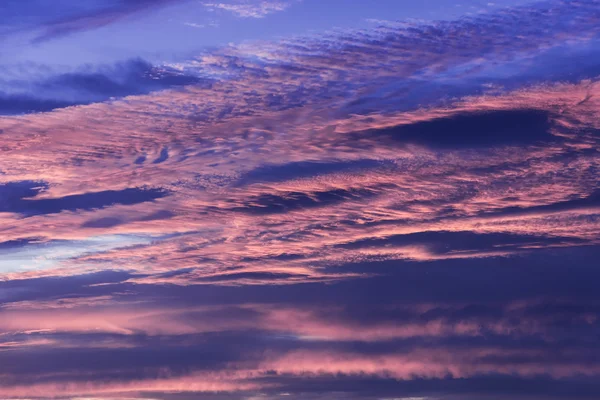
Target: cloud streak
{"x": 70, "y": 18}
{"x": 250, "y": 9}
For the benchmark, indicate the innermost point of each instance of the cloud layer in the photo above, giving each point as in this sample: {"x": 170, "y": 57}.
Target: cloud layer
{"x": 409, "y": 211}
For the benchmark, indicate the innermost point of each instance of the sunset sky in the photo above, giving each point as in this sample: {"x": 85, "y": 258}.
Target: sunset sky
{"x": 299, "y": 199}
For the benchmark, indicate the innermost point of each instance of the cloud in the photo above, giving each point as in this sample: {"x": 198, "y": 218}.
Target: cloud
{"x": 268, "y": 204}
{"x": 49, "y": 91}
{"x": 17, "y": 199}
{"x": 484, "y": 129}
{"x": 70, "y": 17}
{"x": 591, "y": 201}
{"x": 250, "y": 9}
{"x": 402, "y": 211}
{"x": 440, "y": 242}
{"x": 258, "y": 347}
{"x": 303, "y": 169}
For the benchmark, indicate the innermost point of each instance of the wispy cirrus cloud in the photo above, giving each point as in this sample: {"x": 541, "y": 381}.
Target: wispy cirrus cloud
{"x": 58, "y": 20}
{"x": 251, "y": 8}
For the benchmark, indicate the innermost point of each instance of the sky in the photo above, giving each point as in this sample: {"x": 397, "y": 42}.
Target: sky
{"x": 299, "y": 199}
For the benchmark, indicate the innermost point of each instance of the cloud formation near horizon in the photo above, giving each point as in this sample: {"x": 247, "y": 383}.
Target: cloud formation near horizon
{"x": 401, "y": 212}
